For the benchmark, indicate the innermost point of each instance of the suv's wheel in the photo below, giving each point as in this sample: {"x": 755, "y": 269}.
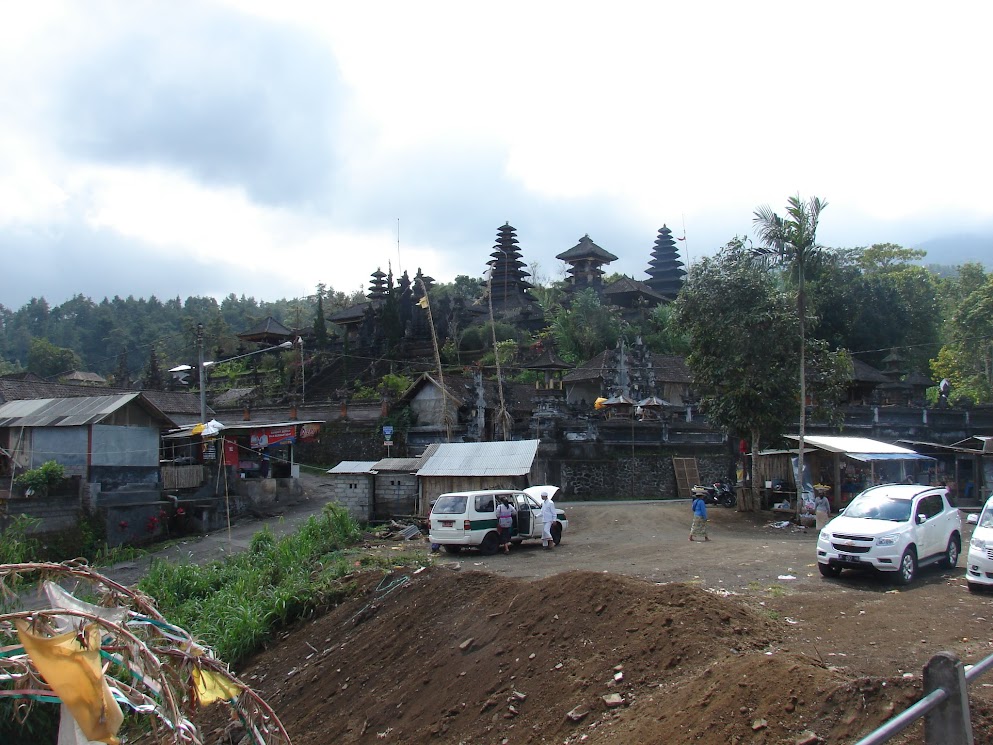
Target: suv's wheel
{"x": 556, "y": 532}
{"x": 952, "y": 552}
{"x": 829, "y": 570}
{"x": 908, "y": 567}
{"x": 489, "y": 545}
{"x": 453, "y": 549}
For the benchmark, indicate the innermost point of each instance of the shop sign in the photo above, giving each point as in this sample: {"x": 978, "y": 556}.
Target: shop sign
{"x": 309, "y": 431}
{"x": 269, "y": 436}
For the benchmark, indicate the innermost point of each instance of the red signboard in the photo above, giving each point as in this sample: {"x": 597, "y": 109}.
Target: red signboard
{"x": 269, "y": 436}
{"x": 309, "y": 431}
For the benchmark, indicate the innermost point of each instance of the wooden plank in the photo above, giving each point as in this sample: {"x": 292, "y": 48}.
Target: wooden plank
{"x": 687, "y": 474}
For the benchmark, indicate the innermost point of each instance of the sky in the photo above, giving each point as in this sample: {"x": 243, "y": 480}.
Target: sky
{"x": 260, "y": 148}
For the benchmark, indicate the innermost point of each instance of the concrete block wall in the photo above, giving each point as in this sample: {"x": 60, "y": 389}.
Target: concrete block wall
{"x": 354, "y": 492}
{"x": 396, "y": 494}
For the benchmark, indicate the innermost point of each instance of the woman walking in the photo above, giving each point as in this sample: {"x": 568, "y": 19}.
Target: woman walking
{"x": 699, "y": 527}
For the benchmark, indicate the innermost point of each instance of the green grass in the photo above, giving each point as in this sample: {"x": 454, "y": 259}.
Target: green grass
{"x": 235, "y": 604}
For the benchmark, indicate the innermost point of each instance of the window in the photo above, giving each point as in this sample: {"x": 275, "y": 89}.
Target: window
{"x": 451, "y": 504}
{"x": 484, "y": 503}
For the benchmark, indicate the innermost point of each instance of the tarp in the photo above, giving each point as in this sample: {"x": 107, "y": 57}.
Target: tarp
{"x": 888, "y": 456}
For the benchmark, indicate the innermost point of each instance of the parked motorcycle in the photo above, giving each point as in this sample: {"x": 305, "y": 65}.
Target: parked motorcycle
{"x": 720, "y": 492}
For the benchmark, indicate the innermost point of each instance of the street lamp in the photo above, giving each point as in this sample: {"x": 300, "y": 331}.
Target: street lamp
{"x": 210, "y": 363}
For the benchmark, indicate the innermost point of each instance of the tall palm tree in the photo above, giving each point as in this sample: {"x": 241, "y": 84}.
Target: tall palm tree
{"x": 791, "y": 240}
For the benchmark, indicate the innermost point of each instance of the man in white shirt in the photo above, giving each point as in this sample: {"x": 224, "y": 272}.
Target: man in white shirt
{"x": 548, "y": 518}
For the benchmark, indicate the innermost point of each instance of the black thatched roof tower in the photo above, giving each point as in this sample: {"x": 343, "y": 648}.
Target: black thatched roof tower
{"x": 586, "y": 260}
{"x": 665, "y": 268}
{"x": 508, "y": 281}
{"x": 378, "y": 286}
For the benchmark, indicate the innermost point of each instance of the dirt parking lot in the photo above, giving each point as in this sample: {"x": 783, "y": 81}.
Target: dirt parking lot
{"x": 862, "y": 621}
{"x": 736, "y": 640}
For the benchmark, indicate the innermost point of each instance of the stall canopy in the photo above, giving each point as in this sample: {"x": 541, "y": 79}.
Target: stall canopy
{"x": 860, "y": 448}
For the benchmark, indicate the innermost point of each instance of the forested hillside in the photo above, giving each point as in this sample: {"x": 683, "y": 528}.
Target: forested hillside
{"x": 119, "y": 334}
{"x": 868, "y": 301}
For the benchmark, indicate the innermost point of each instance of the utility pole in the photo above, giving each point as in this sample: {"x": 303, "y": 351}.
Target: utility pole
{"x": 203, "y": 375}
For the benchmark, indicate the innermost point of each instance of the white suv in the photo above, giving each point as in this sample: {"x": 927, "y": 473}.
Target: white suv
{"x": 894, "y": 528}
{"x": 468, "y": 519}
{"x": 979, "y": 562}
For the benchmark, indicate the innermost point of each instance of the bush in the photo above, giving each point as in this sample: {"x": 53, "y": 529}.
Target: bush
{"x": 16, "y": 546}
{"x": 41, "y": 479}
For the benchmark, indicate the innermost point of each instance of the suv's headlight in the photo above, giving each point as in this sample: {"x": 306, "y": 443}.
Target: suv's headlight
{"x": 888, "y": 540}
{"x": 824, "y": 536}
{"x": 978, "y": 543}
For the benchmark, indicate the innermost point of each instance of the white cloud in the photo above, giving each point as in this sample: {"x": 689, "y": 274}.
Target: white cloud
{"x": 275, "y": 145}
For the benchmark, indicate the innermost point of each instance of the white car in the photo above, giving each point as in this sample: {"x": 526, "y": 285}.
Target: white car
{"x": 468, "y": 519}
{"x": 979, "y": 562}
{"x": 894, "y": 528}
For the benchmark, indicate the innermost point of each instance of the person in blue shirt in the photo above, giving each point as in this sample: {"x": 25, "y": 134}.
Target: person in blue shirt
{"x": 699, "y": 526}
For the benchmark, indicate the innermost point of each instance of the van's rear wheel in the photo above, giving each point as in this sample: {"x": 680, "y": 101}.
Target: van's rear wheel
{"x": 556, "y": 532}
{"x": 489, "y": 545}
{"x": 453, "y": 549}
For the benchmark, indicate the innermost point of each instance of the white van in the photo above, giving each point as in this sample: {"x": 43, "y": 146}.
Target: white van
{"x": 468, "y": 519}
{"x": 979, "y": 562}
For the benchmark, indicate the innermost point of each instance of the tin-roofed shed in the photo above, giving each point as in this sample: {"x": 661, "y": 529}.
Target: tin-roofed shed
{"x": 353, "y": 485}
{"x": 396, "y": 484}
{"x": 469, "y": 466}
{"x": 108, "y": 444}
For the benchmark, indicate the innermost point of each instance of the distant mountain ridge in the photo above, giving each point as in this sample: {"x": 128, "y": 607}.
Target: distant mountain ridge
{"x": 959, "y": 249}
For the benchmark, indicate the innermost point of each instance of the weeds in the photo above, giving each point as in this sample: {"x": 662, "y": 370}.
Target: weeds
{"x": 235, "y": 604}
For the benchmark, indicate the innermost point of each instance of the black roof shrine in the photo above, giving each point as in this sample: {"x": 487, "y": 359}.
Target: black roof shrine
{"x": 586, "y": 260}
{"x": 665, "y": 268}
{"x": 507, "y": 278}
{"x": 421, "y": 281}
{"x": 269, "y": 331}
{"x": 627, "y": 292}
{"x": 378, "y": 287}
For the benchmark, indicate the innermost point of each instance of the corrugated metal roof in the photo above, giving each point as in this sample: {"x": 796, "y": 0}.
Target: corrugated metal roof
{"x": 353, "y": 466}
{"x": 862, "y": 445}
{"x": 399, "y": 465}
{"x": 62, "y": 412}
{"x": 481, "y": 459}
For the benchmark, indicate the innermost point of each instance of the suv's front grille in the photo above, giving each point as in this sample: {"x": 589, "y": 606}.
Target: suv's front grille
{"x": 845, "y": 549}
{"x": 862, "y": 538}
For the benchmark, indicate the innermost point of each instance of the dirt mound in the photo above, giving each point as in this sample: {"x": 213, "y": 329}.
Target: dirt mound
{"x": 469, "y": 657}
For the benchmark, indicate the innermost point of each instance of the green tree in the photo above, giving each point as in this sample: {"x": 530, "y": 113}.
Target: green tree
{"x": 967, "y": 361}
{"x": 152, "y": 380}
{"x": 743, "y": 345}
{"x": 320, "y": 322}
{"x": 48, "y": 361}
{"x": 791, "y": 240}
{"x": 585, "y": 328}
{"x": 662, "y": 334}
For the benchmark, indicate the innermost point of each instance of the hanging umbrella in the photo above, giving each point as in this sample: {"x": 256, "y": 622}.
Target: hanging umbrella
{"x": 598, "y": 404}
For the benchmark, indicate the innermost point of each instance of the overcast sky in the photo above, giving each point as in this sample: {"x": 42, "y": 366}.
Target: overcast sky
{"x": 258, "y": 147}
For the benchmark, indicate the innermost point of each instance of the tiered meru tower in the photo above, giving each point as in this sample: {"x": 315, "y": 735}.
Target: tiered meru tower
{"x": 665, "y": 268}
{"x": 508, "y": 281}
